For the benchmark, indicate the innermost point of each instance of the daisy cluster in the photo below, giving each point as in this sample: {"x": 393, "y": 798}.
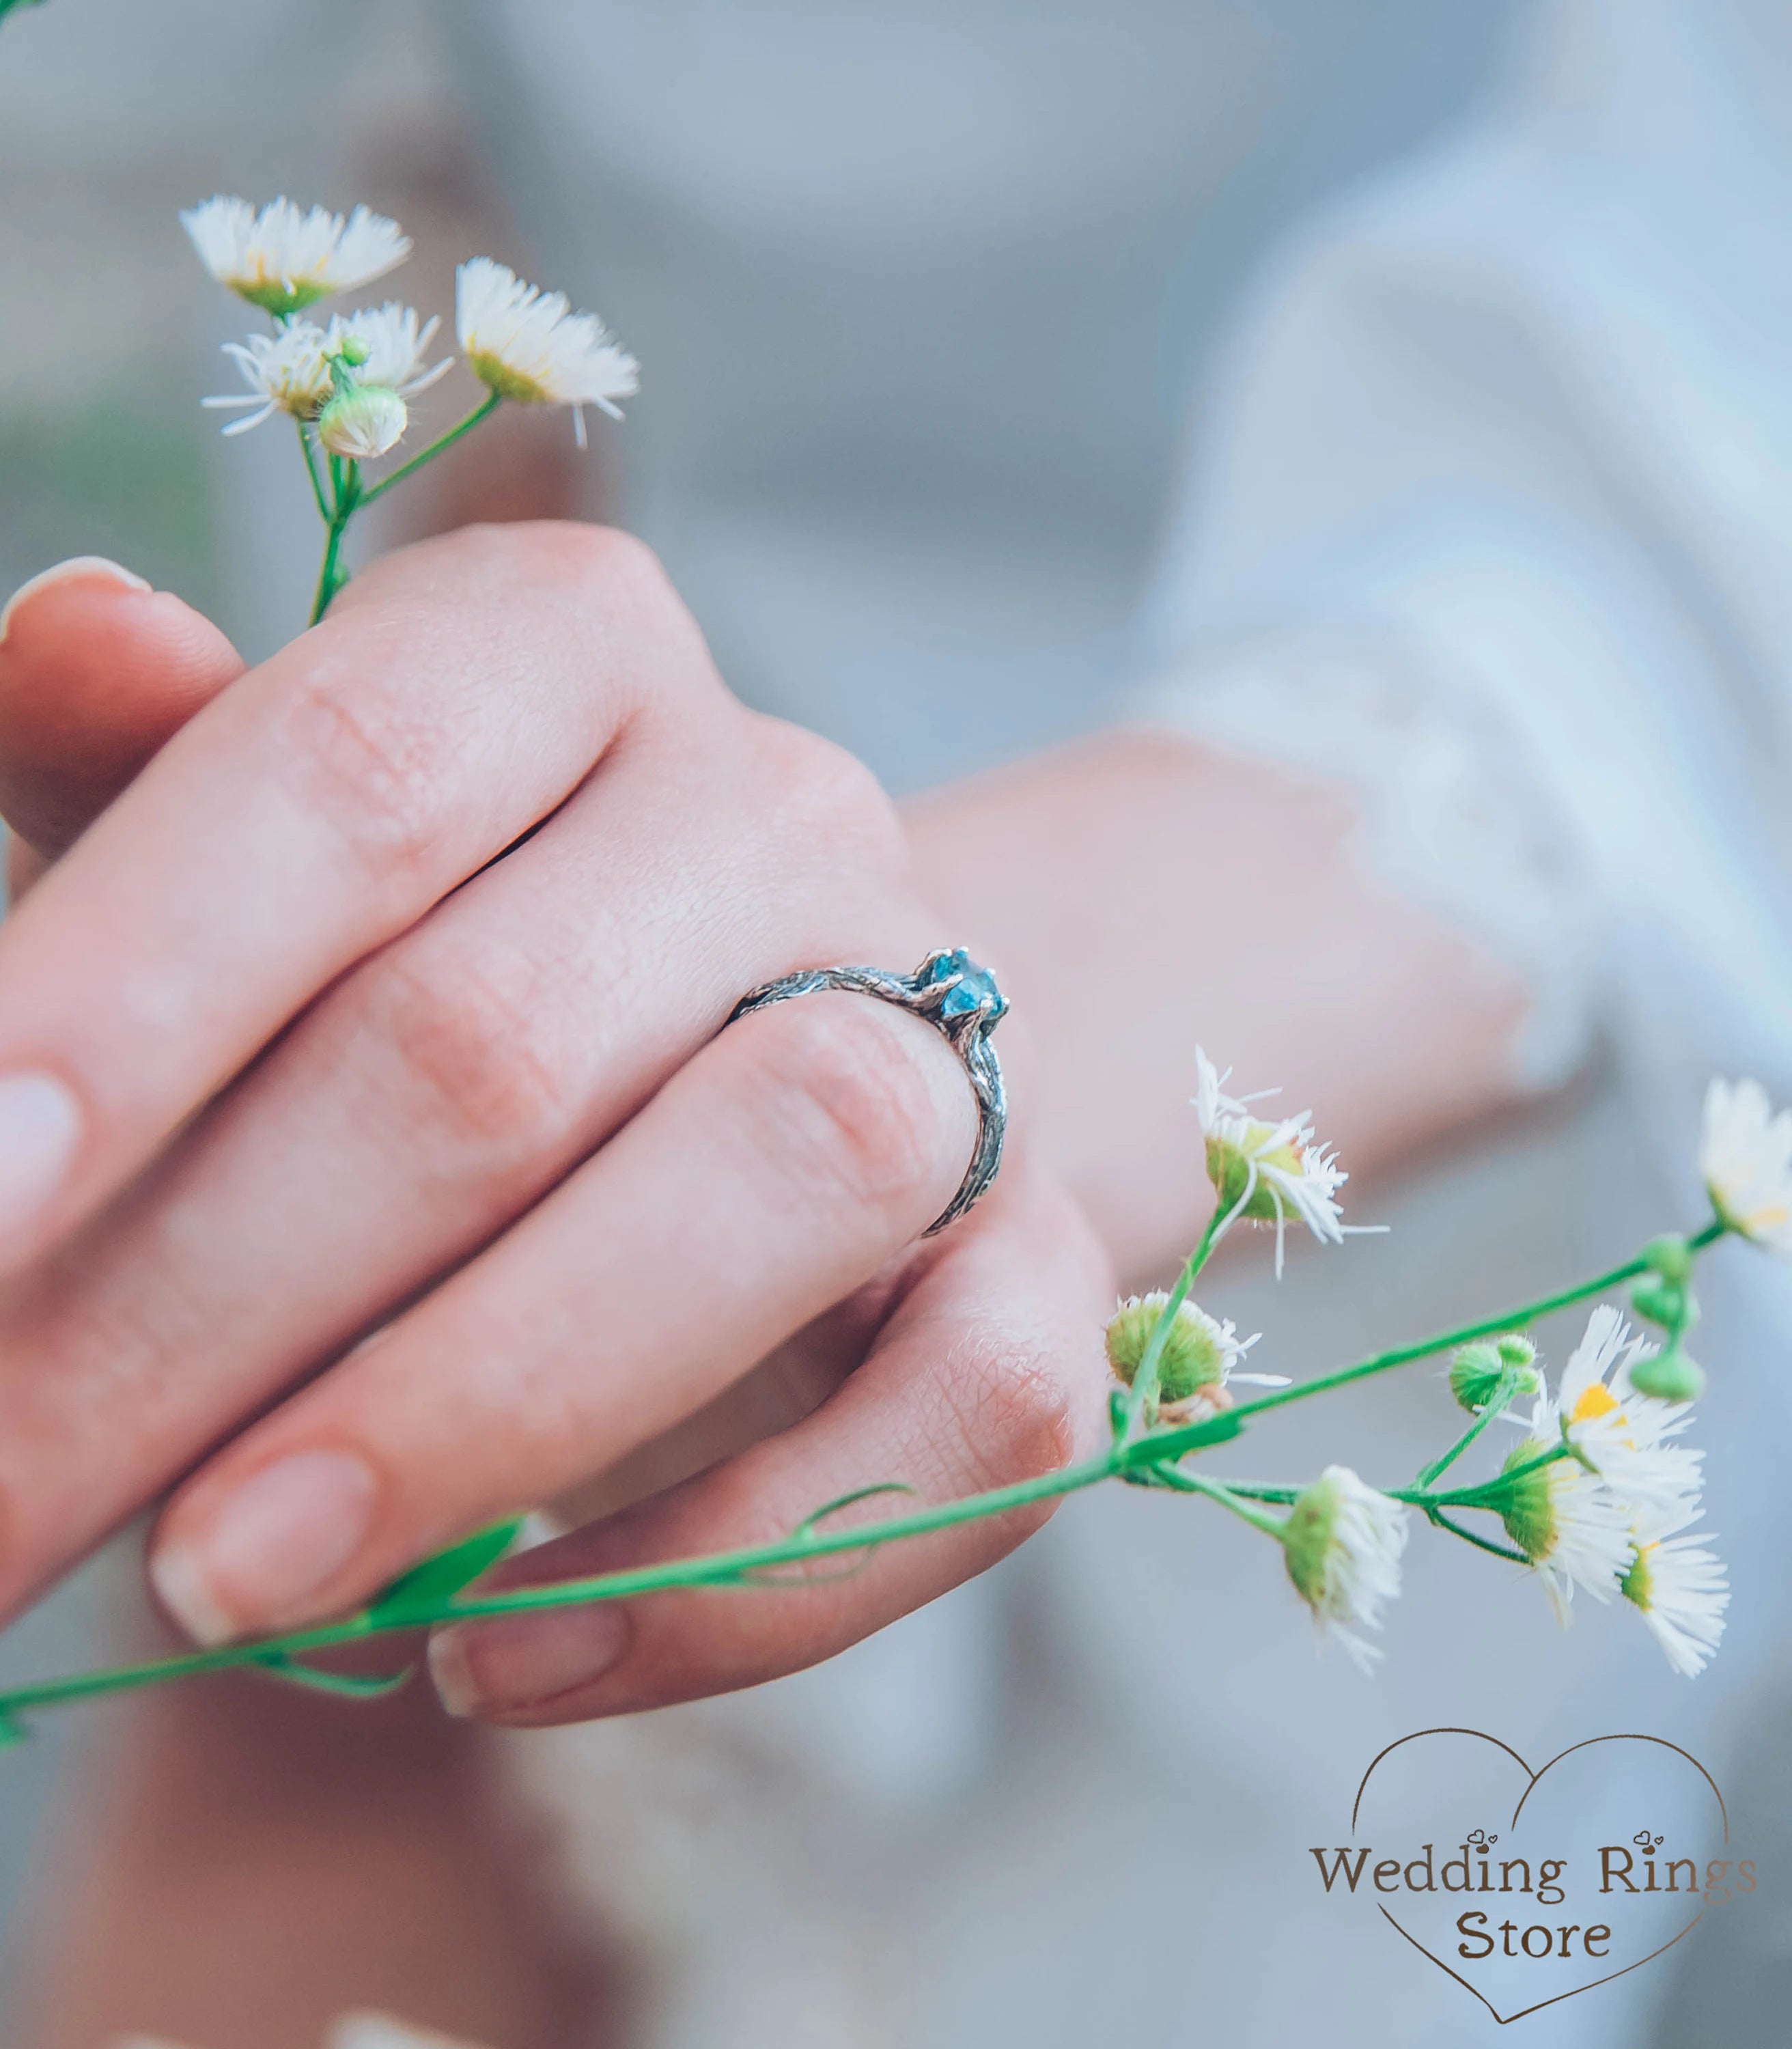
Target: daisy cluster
{"x": 350, "y": 381}
{"x": 1602, "y": 1492}
{"x": 1612, "y": 1518}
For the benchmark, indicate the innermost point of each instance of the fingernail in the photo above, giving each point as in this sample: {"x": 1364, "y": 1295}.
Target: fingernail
{"x": 39, "y": 1131}
{"x": 481, "y": 1668}
{"x": 279, "y": 1537}
{"x": 76, "y": 566}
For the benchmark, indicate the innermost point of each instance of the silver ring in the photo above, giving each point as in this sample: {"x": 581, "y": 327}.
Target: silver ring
{"x": 962, "y": 1002}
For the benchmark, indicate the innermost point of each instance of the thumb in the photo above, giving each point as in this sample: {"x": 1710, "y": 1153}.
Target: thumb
{"x": 96, "y": 671}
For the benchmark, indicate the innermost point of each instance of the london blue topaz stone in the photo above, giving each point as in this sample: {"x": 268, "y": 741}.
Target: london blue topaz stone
{"x": 975, "y": 989}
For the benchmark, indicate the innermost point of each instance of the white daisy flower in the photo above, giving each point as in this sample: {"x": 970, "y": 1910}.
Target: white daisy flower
{"x": 289, "y": 372}
{"x": 1569, "y": 1523}
{"x": 1624, "y": 1434}
{"x": 283, "y": 259}
{"x": 1342, "y": 1542}
{"x": 1200, "y": 1358}
{"x": 1746, "y": 1158}
{"x": 1286, "y": 1170}
{"x": 1681, "y": 1589}
{"x": 527, "y": 345}
{"x": 394, "y": 339}
{"x": 286, "y": 372}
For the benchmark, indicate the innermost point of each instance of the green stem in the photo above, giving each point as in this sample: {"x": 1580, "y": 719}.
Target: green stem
{"x": 1227, "y": 1496}
{"x": 1480, "y": 1543}
{"x": 1173, "y": 1443}
{"x": 311, "y": 471}
{"x": 327, "y": 584}
{"x": 1144, "y": 1392}
{"x": 1497, "y": 1404}
{"x": 345, "y": 482}
{"x": 1484, "y": 1494}
{"x": 1252, "y": 1490}
{"x": 1155, "y": 1451}
{"x": 722, "y": 1569}
{"x": 480, "y": 412}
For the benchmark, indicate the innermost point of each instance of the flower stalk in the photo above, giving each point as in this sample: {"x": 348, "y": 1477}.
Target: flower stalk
{"x": 1137, "y": 1451}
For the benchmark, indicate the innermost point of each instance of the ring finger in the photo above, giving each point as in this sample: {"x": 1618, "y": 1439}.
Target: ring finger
{"x": 773, "y": 1175}
{"x": 989, "y": 1371}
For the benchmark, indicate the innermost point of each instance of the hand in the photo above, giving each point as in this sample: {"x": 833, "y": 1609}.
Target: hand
{"x": 385, "y": 999}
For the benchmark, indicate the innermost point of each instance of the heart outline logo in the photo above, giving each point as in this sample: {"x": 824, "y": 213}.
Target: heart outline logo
{"x": 1533, "y": 1779}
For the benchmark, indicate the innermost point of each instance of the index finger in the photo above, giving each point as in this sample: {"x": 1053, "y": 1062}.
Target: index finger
{"x": 314, "y": 811}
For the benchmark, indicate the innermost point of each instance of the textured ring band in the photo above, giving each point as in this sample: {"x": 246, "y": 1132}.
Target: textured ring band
{"x": 962, "y": 1002}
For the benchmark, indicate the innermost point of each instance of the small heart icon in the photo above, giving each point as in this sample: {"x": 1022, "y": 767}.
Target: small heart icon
{"x": 1558, "y": 1899}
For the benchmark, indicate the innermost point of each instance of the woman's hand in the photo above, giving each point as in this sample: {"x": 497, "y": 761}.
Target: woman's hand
{"x": 387, "y": 999}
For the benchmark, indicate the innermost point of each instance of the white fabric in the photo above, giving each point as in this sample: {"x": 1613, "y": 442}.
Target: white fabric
{"x": 1448, "y": 813}
{"x": 1496, "y": 414}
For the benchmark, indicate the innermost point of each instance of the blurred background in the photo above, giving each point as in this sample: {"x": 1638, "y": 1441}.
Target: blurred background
{"x": 876, "y": 258}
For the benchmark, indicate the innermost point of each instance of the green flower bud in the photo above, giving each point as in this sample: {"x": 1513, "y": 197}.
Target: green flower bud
{"x": 1198, "y": 1354}
{"x": 1528, "y": 1509}
{"x": 1668, "y": 1303}
{"x": 1670, "y": 1376}
{"x": 1341, "y": 1543}
{"x": 1307, "y": 1540}
{"x": 1479, "y": 1367}
{"x": 1671, "y": 1257}
{"x": 361, "y": 423}
{"x": 1656, "y": 1300}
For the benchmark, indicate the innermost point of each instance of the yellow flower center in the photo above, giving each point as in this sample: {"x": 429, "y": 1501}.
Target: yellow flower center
{"x": 1597, "y": 1400}
{"x": 497, "y": 376}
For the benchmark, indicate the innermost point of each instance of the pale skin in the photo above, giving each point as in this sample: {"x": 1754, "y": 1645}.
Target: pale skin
{"x": 384, "y": 984}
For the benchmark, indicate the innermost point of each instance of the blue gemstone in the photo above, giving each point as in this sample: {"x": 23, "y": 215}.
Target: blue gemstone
{"x": 976, "y": 986}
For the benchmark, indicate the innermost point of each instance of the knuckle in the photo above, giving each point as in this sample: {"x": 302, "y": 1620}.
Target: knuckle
{"x": 831, "y": 802}
{"x": 574, "y": 554}
{"x": 495, "y": 559}
{"x": 845, "y": 1095}
{"x": 604, "y": 569}
{"x": 468, "y": 1046}
{"x": 375, "y": 775}
{"x": 618, "y": 557}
